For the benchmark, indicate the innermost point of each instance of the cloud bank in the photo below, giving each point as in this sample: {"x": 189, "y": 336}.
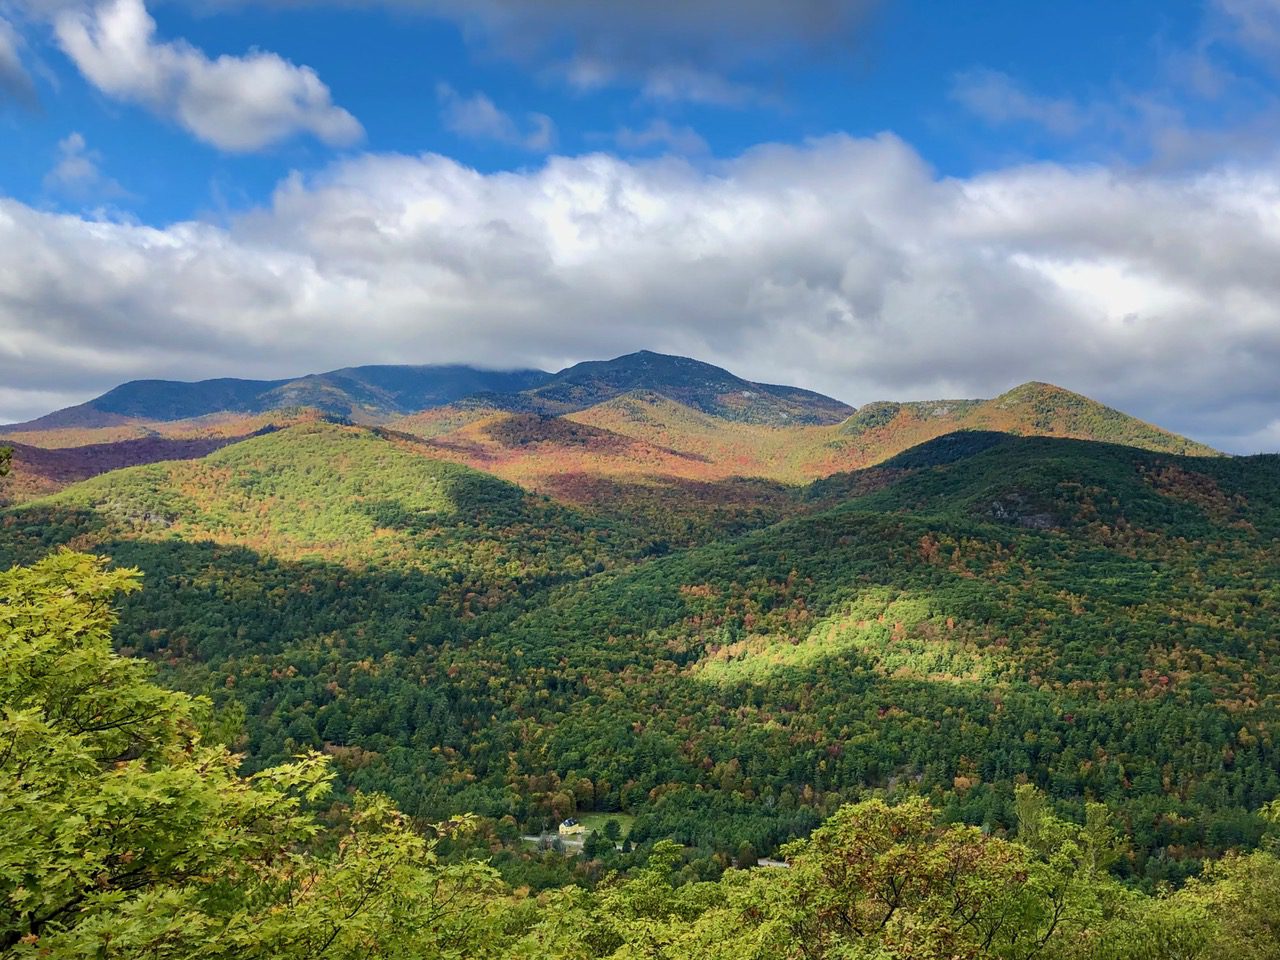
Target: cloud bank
{"x": 842, "y": 264}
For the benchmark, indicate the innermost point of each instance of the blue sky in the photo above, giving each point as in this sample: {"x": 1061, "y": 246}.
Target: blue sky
{"x": 826, "y": 192}
{"x": 901, "y": 68}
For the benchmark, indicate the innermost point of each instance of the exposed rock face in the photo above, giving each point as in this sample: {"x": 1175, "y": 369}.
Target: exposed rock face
{"x": 1014, "y": 508}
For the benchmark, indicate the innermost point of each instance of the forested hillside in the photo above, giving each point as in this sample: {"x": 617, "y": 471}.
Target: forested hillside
{"x": 647, "y": 436}
{"x": 131, "y": 833}
{"x": 666, "y": 436}
{"x": 979, "y": 612}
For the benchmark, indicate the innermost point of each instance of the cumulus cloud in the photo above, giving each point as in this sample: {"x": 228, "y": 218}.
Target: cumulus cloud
{"x": 76, "y": 171}
{"x": 234, "y": 103}
{"x": 843, "y": 264}
{"x": 476, "y": 117}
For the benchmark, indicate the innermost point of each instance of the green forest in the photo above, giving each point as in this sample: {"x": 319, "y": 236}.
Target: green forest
{"x": 996, "y": 696}
{"x": 131, "y": 831}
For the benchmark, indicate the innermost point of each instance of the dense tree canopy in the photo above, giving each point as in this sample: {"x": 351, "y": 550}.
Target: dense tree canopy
{"x": 130, "y": 834}
{"x": 998, "y": 697}
{"x": 986, "y": 610}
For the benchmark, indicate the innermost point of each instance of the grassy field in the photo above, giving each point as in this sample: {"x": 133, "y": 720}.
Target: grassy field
{"x": 596, "y": 821}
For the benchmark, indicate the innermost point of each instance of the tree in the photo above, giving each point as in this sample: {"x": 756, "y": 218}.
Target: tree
{"x": 126, "y": 835}
{"x": 1242, "y": 894}
{"x": 612, "y": 830}
{"x": 882, "y": 878}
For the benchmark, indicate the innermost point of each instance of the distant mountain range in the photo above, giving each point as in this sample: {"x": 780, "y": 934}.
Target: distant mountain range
{"x": 356, "y": 392}
{"x": 377, "y": 393}
{"x": 643, "y": 415}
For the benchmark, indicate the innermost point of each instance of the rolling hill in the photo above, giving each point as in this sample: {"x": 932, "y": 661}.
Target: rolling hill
{"x": 325, "y": 491}
{"x": 707, "y": 422}
{"x": 646, "y": 436}
{"x": 723, "y": 610}
{"x": 37, "y": 471}
{"x": 982, "y": 609}
{"x": 638, "y": 438}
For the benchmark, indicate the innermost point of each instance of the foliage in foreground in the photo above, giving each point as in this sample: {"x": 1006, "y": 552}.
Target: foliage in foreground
{"x": 127, "y": 835}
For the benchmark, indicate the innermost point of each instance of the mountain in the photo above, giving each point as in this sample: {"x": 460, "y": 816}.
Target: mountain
{"x": 363, "y": 393}
{"x": 614, "y": 592}
{"x": 321, "y": 490}
{"x": 646, "y": 436}
{"x": 646, "y": 431}
{"x": 671, "y": 402}
{"x": 693, "y": 383}
{"x": 1032, "y": 409}
{"x": 378, "y": 393}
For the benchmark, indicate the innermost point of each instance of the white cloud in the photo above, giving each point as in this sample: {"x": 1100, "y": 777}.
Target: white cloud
{"x": 1198, "y": 106}
{"x": 680, "y": 82}
{"x": 665, "y": 82}
{"x": 1253, "y": 24}
{"x": 234, "y": 103}
{"x": 478, "y": 118}
{"x": 998, "y": 99}
{"x": 76, "y": 171}
{"x": 845, "y": 265}
{"x": 660, "y": 132}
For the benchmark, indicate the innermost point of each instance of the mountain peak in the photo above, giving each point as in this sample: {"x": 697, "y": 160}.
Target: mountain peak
{"x": 693, "y": 383}
{"x": 1033, "y": 388}
{"x": 1051, "y": 410}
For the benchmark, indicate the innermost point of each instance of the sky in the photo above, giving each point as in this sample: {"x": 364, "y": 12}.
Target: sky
{"x": 877, "y": 199}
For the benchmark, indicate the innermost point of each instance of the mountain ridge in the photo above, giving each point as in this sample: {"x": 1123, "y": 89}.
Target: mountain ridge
{"x": 386, "y": 393}
{"x": 374, "y": 391}
{"x": 678, "y": 441}
{"x": 634, "y": 427}
{"x": 378, "y": 392}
